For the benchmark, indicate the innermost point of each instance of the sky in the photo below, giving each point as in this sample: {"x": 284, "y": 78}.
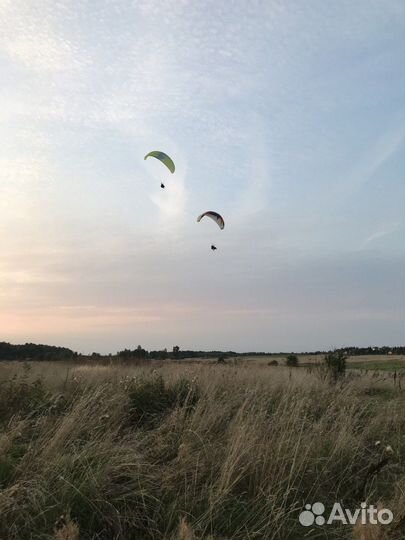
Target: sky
{"x": 286, "y": 117}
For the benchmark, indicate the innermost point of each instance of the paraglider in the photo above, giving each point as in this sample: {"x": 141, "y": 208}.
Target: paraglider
{"x": 164, "y": 158}
{"x": 219, "y": 220}
{"x": 168, "y": 162}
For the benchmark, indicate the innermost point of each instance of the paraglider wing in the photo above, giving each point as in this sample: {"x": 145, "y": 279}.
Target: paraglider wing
{"x": 219, "y": 220}
{"x": 164, "y": 158}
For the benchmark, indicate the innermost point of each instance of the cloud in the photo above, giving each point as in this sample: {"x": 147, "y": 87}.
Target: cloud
{"x": 29, "y": 36}
{"x": 377, "y": 235}
{"x": 376, "y": 155}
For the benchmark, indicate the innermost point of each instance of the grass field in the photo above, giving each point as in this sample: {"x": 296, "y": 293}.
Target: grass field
{"x": 194, "y": 451}
{"x": 384, "y": 362}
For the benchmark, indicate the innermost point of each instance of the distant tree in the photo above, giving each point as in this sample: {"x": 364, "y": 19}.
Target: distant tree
{"x": 159, "y": 355}
{"x": 32, "y": 351}
{"x": 140, "y": 353}
{"x": 176, "y": 350}
{"x": 335, "y": 363}
{"x": 137, "y": 354}
{"x": 125, "y": 354}
{"x": 291, "y": 360}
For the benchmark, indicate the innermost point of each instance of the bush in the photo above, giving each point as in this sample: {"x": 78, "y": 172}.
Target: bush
{"x": 148, "y": 401}
{"x": 151, "y": 399}
{"x": 184, "y": 393}
{"x": 273, "y": 363}
{"x": 291, "y": 360}
{"x": 19, "y": 396}
{"x": 335, "y": 363}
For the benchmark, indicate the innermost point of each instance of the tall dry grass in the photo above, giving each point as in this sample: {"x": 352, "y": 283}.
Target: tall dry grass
{"x": 192, "y": 452}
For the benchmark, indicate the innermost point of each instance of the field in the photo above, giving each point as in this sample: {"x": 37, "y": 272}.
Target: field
{"x": 196, "y": 450}
{"x": 384, "y": 362}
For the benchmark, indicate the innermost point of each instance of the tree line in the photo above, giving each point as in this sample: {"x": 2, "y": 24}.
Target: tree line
{"x": 139, "y": 353}
{"x": 32, "y": 351}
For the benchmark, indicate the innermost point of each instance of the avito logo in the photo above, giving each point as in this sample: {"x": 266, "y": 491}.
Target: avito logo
{"x": 314, "y": 514}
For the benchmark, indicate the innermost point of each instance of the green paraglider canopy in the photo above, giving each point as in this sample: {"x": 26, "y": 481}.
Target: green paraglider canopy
{"x": 164, "y": 158}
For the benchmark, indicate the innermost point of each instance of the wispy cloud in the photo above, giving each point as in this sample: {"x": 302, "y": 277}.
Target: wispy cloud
{"x": 376, "y": 155}
{"x": 377, "y": 235}
{"x": 30, "y": 36}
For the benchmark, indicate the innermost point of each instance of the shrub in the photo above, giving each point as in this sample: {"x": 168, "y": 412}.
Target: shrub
{"x": 18, "y": 396}
{"x": 184, "y": 393}
{"x": 148, "y": 401}
{"x": 335, "y": 363}
{"x": 151, "y": 399}
{"x": 292, "y": 360}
